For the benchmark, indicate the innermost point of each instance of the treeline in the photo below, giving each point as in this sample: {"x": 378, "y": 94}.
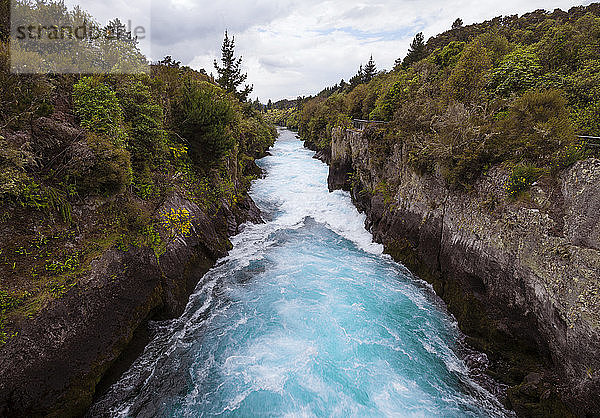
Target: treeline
{"x": 513, "y": 89}
{"x": 86, "y": 162}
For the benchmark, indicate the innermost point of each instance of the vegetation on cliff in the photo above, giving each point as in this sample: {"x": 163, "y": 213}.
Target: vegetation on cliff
{"x": 87, "y": 161}
{"x": 513, "y": 90}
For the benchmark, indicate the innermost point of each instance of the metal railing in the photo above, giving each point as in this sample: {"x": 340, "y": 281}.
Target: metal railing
{"x": 591, "y": 141}
{"x": 360, "y": 124}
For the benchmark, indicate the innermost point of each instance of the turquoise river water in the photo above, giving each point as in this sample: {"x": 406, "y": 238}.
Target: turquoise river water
{"x": 305, "y": 317}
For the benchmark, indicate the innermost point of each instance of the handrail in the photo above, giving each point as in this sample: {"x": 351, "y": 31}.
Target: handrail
{"x": 369, "y": 121}
{"x": 360, "y": 123}
{"x": 593, "y": 141}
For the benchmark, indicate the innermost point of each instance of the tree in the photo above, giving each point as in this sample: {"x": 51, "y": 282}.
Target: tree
{"x": 457, "y": 23}
{"x": 4, "y": 20}
{"x": 203, "y": 117}
{"x": 168, "y": 61}
{"x": 230, "y": 74}
{"x": 416, "y": 52}
{"x": 358, "y": 78}
{"x": 370, "y": 71}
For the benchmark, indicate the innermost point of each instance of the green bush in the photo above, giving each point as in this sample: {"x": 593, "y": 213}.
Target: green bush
{"x": 449, "y": 54}
{"x": 518, "y": 71}
{"x": 255, "y": 134}
{"x": 521, "y": 180}
{"x": 319, "y": 117}
{"x": 98, "y": 109}
{"x": 204, "y": 117}
{"x": 536, "y": 126}
{"x": 467, "y": 79}
{"x": 109, "y": 170}
{"x": 143, "y": 118}
{"x": 22, "y": 96}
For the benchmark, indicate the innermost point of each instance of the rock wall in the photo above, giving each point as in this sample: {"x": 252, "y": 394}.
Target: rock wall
{"x": 52, "y": 367}
{"x": 521, "y": 277}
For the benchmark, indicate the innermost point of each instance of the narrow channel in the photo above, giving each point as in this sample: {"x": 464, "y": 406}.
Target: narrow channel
{"x": 305, "y": 317}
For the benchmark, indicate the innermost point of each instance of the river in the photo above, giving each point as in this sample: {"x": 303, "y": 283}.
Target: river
{"x": 305, "y": 317}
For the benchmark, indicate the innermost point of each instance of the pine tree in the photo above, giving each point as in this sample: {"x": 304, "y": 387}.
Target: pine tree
{"x": 416, "y": 52}
{"x": 457, "y": 23}
{"x": 230, "y": 74}
{"x": 168, "y": 61}
{"x": 358, "y": 78}
{"x": 370, "y": 71}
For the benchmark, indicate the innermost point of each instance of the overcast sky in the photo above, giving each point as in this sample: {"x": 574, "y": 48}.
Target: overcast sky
{"x": 297, "y": 47}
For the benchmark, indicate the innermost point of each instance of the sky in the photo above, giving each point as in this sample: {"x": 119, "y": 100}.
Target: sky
{"x": 298, "y": 47}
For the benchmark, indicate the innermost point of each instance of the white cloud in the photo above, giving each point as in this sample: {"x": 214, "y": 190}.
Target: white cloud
{"x": 293, "y": 47}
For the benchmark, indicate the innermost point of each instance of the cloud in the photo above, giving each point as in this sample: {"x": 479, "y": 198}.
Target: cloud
{"x": 294, "y": 47}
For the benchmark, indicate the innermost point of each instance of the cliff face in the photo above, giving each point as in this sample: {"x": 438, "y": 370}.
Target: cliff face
{"x": 55, "y": 361}
{"x": 52, "y": 366}
{"x": 522, "y": 278}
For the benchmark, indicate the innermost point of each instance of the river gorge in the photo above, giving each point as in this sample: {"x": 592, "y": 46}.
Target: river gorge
{"x": 304, "y": 317}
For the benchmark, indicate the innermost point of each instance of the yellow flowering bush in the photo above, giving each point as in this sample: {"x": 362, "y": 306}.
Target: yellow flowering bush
{"x": 178, "y": 151}
{"x": 521, "y": 179}
{"x": 178, "y": 221}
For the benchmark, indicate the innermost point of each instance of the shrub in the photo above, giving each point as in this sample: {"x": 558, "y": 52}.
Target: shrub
{"x": 392, "y": 95}
{"x": 98, "y": 109}
{"x": 421, "y": 159}
{"x": 106, "y": 169}
{"x": 467, "y": 79}
{"x": 583, "y": 89}
{"x": 204, "y": 117}
{"x": 521, "y": 179}
{"x": 518, "y": 71}
{"x": 449, "y": 54}
{"x": 143, "y": 118}
{"x": 177, "y": 222}
{"x": 536, "y": 127}
{"x": 354, "y": 101}
{"x": 22, "y": 96}
{"x": 319, "y": 117}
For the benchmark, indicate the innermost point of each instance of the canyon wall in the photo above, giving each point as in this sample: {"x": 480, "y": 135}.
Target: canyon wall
{"x": 521, "y": 276}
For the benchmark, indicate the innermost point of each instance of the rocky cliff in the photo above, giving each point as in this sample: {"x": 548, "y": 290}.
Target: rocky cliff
{"x": 521, "y": 276}
{"x": 54, "y": 362}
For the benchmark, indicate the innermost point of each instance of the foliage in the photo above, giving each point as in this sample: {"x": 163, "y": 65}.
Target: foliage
{"x": 177, "y": 221}
{"x": 108, "y": 169}
{"x": 203, "y": 117}
{"x": 521, "y": 179}
{"x": 512, "y": 89}
{"x": 284, "y": 117}
{"x": 449, "y": 54}
{"x": 468, "y": 77}
{"x": 254, "y": 134}
{"x": 319, "y": 117}
{"x": 143, "y": 118}
{"x": 392, "y": 95}
{"x": 99, "y": 110}
{"x": 536, "y": 126}
{"x": 230, "y": 73}
{"x": 72, "y": 188}
{"x": 518, "y": 71}
{"x": 111, "y": 49}
{"x": 22, "y": 97}
{"x": 416, "y": 51}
